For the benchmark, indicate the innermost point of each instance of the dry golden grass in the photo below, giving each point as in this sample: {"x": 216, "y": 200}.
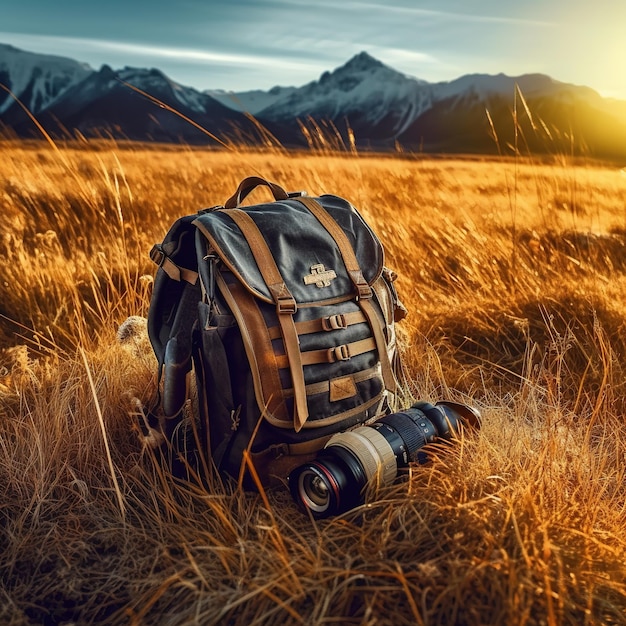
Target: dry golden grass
{"x": 514, "y": 276}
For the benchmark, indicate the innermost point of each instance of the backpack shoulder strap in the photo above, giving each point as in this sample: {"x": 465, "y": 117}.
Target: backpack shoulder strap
{"x": 345, "y": 249}
{"x": 285, "y": 307}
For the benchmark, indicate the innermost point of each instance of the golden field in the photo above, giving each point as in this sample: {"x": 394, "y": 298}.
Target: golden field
{"x": 514, "y": 275}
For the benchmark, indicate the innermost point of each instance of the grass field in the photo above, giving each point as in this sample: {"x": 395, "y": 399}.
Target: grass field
{"x": 514, "y": 274}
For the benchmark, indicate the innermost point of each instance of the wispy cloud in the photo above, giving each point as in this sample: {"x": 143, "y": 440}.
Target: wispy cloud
{"x": 78, "y": 46}
{"x": 389, "y": 8}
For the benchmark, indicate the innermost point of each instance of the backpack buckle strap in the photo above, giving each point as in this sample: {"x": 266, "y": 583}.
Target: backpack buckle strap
{"x": 286, "y": 305}
{"x": 364, "y": 291}
{"x": 376, "y": 326}
{"x": 339, "y": 353}
{"x": 175, "y": 272}
{"x": 277, "y": 461}
{"x": 334, "y": 322}
{"x": 157, "y": 255}
{"x": 330, "y": 355}
{"x": 340, "y": 321}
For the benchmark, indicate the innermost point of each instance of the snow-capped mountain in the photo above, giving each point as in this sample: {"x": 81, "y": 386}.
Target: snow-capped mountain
{"x": 365, "y": 91}
{"x": 132, "y": 103}
{"x": 374, "y": 102}
{"x": 37, "y": 80}
{"x": 108, "y": 82}
{"x": 382, "y": 106}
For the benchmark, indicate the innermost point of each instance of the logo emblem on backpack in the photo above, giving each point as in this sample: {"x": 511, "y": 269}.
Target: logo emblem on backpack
{"x": 320, "y": 276}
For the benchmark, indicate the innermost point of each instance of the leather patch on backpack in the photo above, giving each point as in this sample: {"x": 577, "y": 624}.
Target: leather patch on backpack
{"x": 342, "y": 388}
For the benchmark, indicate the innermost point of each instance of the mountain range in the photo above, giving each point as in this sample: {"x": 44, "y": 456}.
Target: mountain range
{"x": 364, "y": 101}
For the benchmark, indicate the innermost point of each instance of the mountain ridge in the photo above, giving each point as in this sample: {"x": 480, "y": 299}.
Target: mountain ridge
{"x": 363, "y": 98}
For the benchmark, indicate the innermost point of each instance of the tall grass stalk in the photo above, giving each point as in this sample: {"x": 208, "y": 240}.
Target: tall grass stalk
{"x": 96, "y": 402}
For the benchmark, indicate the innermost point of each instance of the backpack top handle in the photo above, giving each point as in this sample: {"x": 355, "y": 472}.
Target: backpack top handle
{"x": 247, "y": 185}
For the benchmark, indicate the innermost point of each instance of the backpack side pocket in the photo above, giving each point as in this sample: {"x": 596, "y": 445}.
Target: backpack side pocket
{"x": 217, "y": 409}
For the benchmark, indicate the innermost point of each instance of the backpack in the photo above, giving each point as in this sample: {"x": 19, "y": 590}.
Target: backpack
{"x": 273, "y": 327}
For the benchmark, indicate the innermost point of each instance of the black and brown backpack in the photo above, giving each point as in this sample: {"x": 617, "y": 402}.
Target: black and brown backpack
{"x": 273, "y": 326}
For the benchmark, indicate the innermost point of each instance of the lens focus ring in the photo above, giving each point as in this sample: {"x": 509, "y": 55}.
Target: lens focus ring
{"x": 407, "y": 427}
{"x": 372, "y": 450}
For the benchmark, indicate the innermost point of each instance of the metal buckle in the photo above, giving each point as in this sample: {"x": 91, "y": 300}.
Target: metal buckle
{"x": 339, "y": 353}
{"x": 365, "y": 291}
{"x": 286, "y": 305}
{"x": 334, "y": 322}
{"x": 157, "y": 255}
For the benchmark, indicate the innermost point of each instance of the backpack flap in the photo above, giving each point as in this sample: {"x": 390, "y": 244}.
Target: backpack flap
{"x": 308, "y": 258}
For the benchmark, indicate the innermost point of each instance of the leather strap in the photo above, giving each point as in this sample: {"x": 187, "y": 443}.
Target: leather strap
{"x": 381, "y": 344}
{"x": 249, "y": 184}
{"x": 344, "y": 245}
{"x": 285, "y": 307}
{"x": 328, "y": 323}
{"x": 175, "y": 272}
{"x": 249, "y": 315}
{"x": 277, "y": 461}
{"x": 331, "y": 355}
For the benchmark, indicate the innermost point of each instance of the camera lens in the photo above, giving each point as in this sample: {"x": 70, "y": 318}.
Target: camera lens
{"x": 314, "y": 487}
{"x": 330, "y": 484}
{"x": 371, "y": 455}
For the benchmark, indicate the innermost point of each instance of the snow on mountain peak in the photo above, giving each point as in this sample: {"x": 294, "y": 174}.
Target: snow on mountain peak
{"x": 363, "y": 87}
{"x": 155, "y": 82}
{"x": 379, "y": 103}
{"x": 360, "y": 69}
{"x": 36, "y": 79}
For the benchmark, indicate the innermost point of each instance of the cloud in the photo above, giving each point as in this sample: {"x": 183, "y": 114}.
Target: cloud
{"x": 407, "y": 11}
{"x": 84, "y": 46}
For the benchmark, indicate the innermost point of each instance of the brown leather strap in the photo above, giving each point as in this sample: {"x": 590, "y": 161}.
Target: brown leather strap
{"x": 249, "y": 184}
{"x": 331, "y": 355}
{"x": 344, "y": 245}
{"x": 254, "y": 332}
{"x": 276, "y": 462}
{"x": 260, "y": 250}
{"x": 388, "y": 307}
{"x": 327, "y": 323}
{"x": 363, "y": 289}
{"x": 376, "y": 324}
{"x": 301, "y": 447}
{"x": 175, "y": 272}
{"x": 381, "y": 344}
{"x": 285, "y": 306}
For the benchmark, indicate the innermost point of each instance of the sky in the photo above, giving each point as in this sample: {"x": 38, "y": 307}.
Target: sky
{"x": 255, "y": 44}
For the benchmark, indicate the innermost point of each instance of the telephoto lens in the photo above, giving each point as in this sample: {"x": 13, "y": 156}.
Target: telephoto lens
{"x": 370, "y": 456}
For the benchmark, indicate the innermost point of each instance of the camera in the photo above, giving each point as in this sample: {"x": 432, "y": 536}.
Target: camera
{"x": 370, "y": 456}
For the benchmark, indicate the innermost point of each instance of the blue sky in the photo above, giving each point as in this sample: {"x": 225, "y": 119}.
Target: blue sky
{"x": 246, "y": 44}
